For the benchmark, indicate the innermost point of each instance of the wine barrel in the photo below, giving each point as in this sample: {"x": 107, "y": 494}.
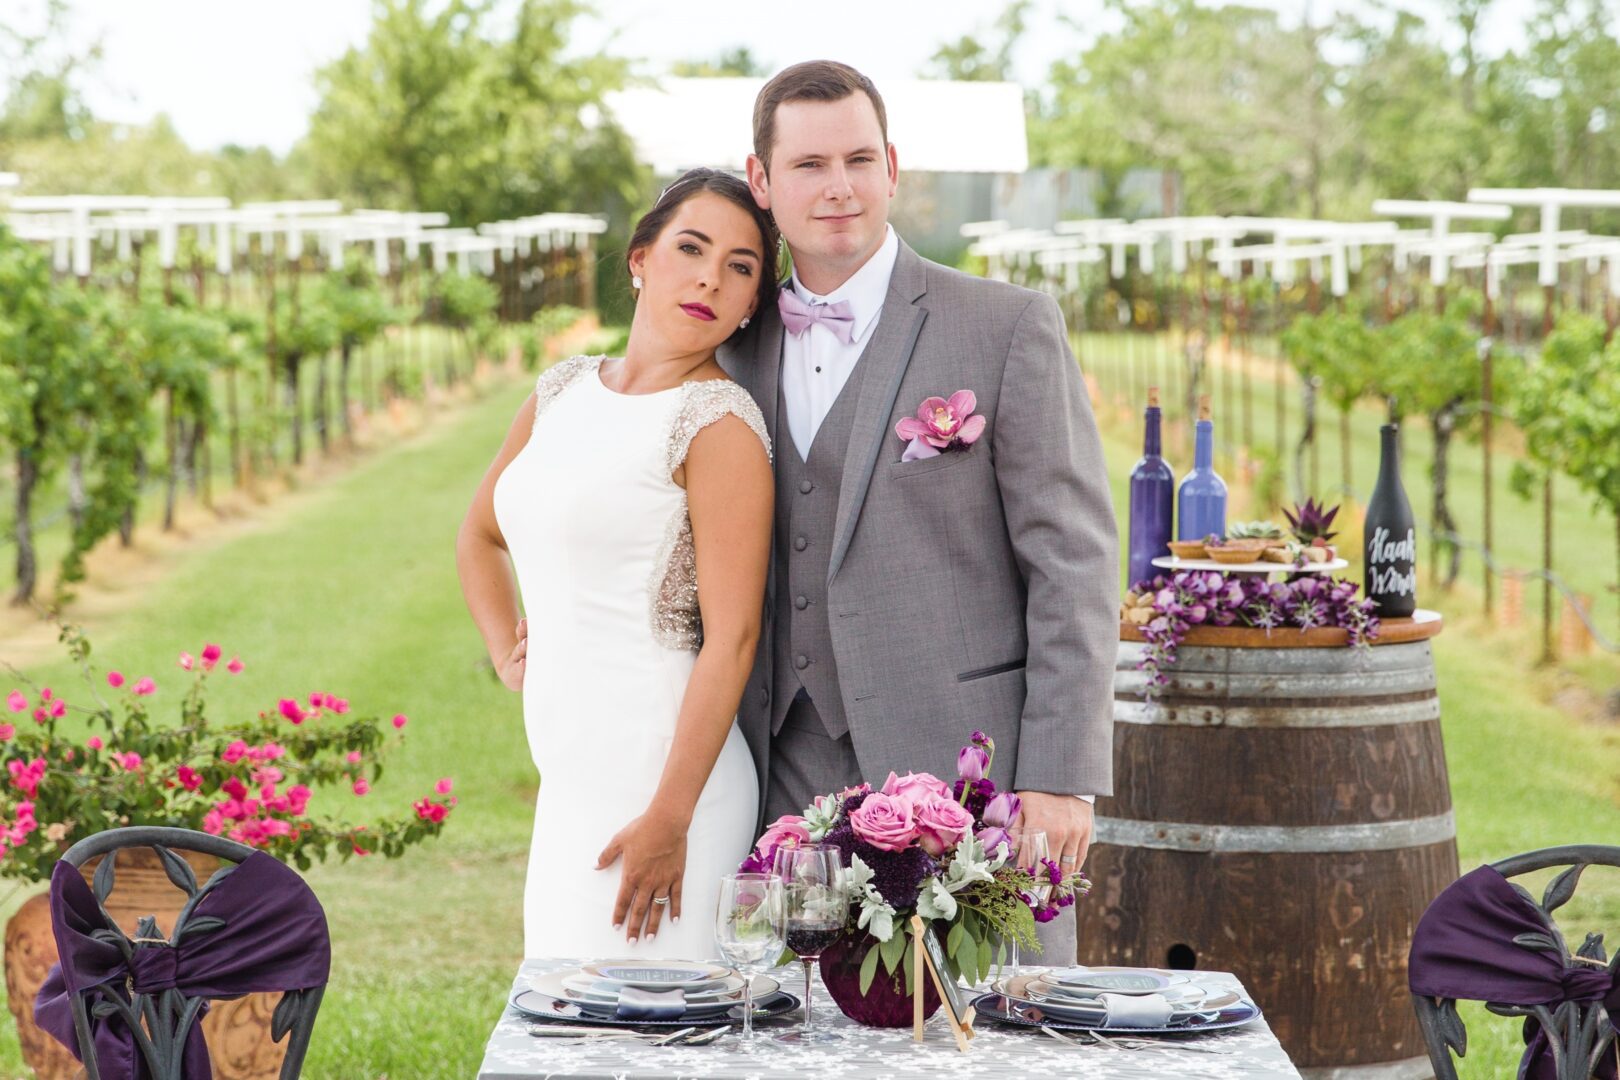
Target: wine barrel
{"x": 1284, "y": 814}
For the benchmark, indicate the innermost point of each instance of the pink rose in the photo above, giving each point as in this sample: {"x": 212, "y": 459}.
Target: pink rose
{"x": 787, "y": 831}
{"x": 942, "y": 824}
{"x": 916, "y": 788}
{"x": 885, "y": 822}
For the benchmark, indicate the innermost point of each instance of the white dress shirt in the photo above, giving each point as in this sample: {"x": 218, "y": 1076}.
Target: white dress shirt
{"x": 816, "y": 364}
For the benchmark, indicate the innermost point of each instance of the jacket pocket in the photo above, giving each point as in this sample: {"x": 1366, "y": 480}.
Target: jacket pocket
{"x": 986, "y": 672}
{"x": 944, "y": 460}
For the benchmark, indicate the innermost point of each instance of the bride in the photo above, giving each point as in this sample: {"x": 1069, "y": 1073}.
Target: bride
{"x": 633, "y": 499}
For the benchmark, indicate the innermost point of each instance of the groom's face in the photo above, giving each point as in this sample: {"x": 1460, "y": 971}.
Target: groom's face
{"x": 829, "y": 183}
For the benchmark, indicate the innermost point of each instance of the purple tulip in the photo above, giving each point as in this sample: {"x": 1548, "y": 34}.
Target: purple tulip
{"x": 1003, "y": 810}
{"x": 993, "y": 837}
{"x": 971, "y": 763}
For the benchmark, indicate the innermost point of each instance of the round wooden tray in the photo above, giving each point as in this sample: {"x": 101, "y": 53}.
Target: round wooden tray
{"x": 1422, "y": 626}
{"x": 1175, "y": 565}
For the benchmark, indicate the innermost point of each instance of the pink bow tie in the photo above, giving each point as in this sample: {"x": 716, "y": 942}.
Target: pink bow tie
{"x": 798, "y": 315}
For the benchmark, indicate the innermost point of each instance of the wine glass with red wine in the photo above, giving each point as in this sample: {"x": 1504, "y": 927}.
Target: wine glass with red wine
{"x": 817, "y": 909}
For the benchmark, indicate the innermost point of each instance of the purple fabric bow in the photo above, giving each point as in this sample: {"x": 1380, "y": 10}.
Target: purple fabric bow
{"x": 1463, "y": 949}
{"x": 798, "y": 315}
{"x": 274, "y": 937}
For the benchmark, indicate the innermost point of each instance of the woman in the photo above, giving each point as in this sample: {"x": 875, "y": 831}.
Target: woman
{"x": 633, "y": 498}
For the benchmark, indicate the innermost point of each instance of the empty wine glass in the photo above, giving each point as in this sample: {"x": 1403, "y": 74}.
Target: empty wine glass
{"x": 748, "y": 928}
{"x": 817, "y": 909}
{"x": 1028, "y": 849}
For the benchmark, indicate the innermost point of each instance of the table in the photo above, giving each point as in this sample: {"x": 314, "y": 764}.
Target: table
{"x": 998, "y": 1053}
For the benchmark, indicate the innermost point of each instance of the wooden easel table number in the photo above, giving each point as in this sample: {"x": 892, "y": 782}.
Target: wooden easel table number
{"x": 928, "y": 953}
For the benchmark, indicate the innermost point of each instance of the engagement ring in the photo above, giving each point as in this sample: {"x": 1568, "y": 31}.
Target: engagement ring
{"x": 660, "y": 899}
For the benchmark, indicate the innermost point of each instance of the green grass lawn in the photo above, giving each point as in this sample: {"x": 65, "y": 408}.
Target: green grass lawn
{"x": 351, "y": 588}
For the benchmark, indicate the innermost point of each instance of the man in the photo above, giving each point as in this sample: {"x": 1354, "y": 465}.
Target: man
{"x": 916, "y": 596}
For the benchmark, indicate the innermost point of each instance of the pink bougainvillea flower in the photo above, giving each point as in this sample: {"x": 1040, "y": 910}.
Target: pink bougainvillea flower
{"x": 353, "y": 757}
{"x": 235, "y": 666}
{"x": 340, "y": 705}
{"x": 213, "y": 822}
{"x": 114, "y": 679}
{"x": 6, "y": 732}
{"x": 361, "y": 786}
{"x": 428, "y": 810}
{"x": 45, "y": 694}
{"x": 291, "y": 710}
{"x": 129, "y": 760}
{"x": 399, "y": 720}
{"x": 41, "y": 715}
{"x": 26, "y": 778}
{"x": 186, "y": 661}
{"x": 58, "y": 708}
{"x": 443, "y": 786}
{"x": 234, "y": 787}
{"x": 358, "y": 850}
{"x": 145, "y": 686}
{"x": 317, "y": 699}
{"x": 189, "y": 778}
{"x": 234, "y": 752}
{"x": 17, "y": 703}
{"x": 298, "y": 798}
{"x": 941, "y": 424}
{"x": 210, "y": 656}
{"x": 94, "y": 742}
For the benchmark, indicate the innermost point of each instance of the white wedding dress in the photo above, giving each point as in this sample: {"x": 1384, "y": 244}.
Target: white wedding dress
{"x": 599, "y": 535}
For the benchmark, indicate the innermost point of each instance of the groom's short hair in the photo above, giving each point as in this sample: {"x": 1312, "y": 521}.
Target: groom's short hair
{"x": 813, "y": 80}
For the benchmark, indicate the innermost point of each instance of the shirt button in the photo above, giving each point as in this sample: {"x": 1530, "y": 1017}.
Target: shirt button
{"x": 806, "y": 487}
{"x": 800, "y": 543}
{"x": 801, "y": 661}
{"x": 801, "y": 602}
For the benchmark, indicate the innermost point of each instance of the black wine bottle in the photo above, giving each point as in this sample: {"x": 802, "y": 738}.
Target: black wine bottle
{"x": 1389, "y": 538}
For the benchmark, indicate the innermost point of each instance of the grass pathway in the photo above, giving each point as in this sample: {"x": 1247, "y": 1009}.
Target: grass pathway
{"x": 354, "y": 591}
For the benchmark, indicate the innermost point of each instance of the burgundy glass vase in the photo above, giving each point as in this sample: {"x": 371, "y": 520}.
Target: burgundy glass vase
{"x": 887, "y": 1002}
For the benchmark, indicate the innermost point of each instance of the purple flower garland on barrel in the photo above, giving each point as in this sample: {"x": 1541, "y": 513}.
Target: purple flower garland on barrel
{"x": 918, "y": 845}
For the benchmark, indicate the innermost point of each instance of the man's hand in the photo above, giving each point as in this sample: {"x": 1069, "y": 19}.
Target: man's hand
{"x": 1067, "y": 822}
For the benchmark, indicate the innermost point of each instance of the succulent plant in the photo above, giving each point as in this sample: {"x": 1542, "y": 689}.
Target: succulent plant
{"x": 1310, "y": 522}
{"x": 1254, "y": 530}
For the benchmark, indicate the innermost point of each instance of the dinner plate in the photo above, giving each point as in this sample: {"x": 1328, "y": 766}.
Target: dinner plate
{"x": 576, "y": 984}
{"x": 538, "y": 1006}
{"x": 1182, "y": 993}
{"x": 1198, "y": 1001}
{"x": 1005, "y": 1010}
{"x": 554, "y": 985}
{"x": 656, "y": 974}
{"x": 1115, "y": 980}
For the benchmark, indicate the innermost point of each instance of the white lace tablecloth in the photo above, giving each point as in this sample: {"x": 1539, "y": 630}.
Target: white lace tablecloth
{"x": 998, "y": 1052}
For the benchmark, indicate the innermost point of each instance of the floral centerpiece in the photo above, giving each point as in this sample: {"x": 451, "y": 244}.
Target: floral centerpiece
{"x": 918, "y": 845}
{"x": 252, "y": 778}
{"x": 1172, "y": 606}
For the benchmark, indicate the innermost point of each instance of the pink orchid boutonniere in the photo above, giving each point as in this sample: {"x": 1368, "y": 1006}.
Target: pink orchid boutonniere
{"x": 941, "y": 425}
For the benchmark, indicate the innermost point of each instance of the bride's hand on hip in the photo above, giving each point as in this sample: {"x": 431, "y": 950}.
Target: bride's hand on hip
{"x": 654, "y": 851}
{"x": 515, "y": 663}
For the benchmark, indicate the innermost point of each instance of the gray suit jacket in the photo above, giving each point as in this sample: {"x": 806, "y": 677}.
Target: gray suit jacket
{"x": 974, "y": 590}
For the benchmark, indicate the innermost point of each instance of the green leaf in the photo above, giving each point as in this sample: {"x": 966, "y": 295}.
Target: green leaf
{"x": 869, "y": 968}
{"x": 953, "y": 940}
{"x": 893, "y": 949}
{"x": 984, "y": 960}
{"x": 965, "y": 953}
{"x": 909, "y": 961}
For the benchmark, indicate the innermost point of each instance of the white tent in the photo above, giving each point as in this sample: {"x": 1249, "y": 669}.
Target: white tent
{"x": 935, "y": 126}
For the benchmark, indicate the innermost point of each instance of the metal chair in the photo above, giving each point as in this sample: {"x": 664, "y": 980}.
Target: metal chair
{"x": 1579, "y": 1033}
{"x": 161, "y": 1022}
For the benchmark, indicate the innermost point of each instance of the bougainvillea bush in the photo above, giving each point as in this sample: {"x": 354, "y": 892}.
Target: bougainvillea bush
{"x": 291, "y": 777}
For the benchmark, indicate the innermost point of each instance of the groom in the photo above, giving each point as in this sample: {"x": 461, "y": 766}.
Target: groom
{"x": 916, "y": 594}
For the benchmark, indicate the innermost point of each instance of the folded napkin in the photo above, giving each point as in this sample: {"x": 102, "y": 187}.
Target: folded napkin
{"x": 638, "y": 1004}
{"x": 1136, "y": 1010}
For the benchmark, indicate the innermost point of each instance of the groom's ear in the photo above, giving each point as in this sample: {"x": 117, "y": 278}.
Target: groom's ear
{"x": 894, "y": 171}
{"x": 759, "y": 182}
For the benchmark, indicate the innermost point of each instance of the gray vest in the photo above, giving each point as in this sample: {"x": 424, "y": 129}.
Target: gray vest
{"x": 806, "y": 510}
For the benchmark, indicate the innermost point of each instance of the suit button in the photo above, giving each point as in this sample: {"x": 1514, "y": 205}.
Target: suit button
{"x": 806, "y": 487}
{"x": 800, "y": 543}
{"x": 765, "y": 694}
{"x": 801, "y": 661}
{"x": 801, "y": 602}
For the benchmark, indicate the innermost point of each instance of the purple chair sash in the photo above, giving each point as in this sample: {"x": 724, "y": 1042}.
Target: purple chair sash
{"x": 1463, "y": 948}
{"x": 274, "y": 937}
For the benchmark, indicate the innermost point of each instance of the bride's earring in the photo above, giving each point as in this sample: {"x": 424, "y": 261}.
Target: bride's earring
{"x": 635, "y": 282}
{"x": 743, "y": 324}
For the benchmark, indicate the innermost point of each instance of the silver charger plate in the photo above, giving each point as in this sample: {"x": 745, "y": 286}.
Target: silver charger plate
{"x": 554, "y": 985}
{"x": 1005, "y": 1010}
{"x": 537, "y": 1006}
{"x": 1115, "y": 980}
{"x": 576, "y": 985}
{"x": 656, "y": 974}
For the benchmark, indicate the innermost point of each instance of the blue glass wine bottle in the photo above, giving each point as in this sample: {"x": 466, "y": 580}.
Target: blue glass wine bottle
{"x": 1153, "y": 496}
{"x": 1201, "y": 503}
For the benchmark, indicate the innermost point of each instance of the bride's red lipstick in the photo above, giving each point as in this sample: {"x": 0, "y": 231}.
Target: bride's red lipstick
{"x": 698, "y": 311}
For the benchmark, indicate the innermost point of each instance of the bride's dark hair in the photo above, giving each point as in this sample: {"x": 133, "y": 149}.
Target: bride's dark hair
{"x": 729, "y": 187}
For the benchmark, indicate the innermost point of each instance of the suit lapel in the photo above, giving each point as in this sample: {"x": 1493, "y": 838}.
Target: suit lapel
{"x": 884, "y": 365}
{"x": 766, "y": 375}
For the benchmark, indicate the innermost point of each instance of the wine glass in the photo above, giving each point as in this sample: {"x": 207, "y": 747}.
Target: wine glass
{"x": 1028, "y": 849}
{"x": 748, "y": 928}
{"x": 817, "y": 909}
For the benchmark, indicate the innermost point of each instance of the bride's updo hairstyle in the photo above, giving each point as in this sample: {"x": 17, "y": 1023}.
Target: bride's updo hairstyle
{"x": 695, "y": 182}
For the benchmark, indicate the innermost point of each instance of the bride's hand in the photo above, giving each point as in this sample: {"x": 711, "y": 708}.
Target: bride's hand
{"x": 654, "y": 852}
{"x": 511, "y": 669}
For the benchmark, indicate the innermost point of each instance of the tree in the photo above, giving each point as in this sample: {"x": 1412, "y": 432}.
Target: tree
{"x": 1568, "y": 407}
{"x": 737, "y": 62}
{"x": 1336, "y": 350}
{"x": 437, "y": 112}
{"x": 967, "y": 59}
{"x": 466, "y": 303}
{"x": 361, "y": 314}
{"x": 305, "y": 327}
